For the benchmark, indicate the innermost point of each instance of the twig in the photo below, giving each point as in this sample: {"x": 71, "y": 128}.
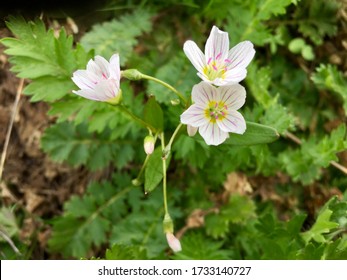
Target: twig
{"x": 10, "y": 242}
{"x": 8, "y": 135}
{"x": 333, "y": 163}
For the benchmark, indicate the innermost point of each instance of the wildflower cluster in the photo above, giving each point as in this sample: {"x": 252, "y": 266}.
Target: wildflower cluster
{"x": 215, "y": 100}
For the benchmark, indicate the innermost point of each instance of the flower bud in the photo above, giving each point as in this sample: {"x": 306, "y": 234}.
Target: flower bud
{"x": 191, "y": 130}
{"x": 136, "y": 182}
{"x": 132, "y": 74}
{"x": 175, "y": 102}
{"x": 167, "y": 224}
{"x": 173, "y": 242}
{"x": 148, "y": 144}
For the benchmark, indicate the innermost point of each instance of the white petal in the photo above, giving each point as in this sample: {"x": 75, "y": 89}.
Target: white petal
{"x": 107, "y": 89}
{"x": 88, "y": 93}
{"x": 217, "y": 45}
{"x": 233, "y": 122}
{"x": 191, "y": 130}
{"x": 234, "y": 76}
{"x": 212, "y": 134}
{"x": 194, "y": 116}
{"x": 241, "y": 55}
{"x": 203, "y": 93}
{"x": 114, "y": 67}
{"x": 173, "y": 242}
{"x": 84, "y": 79}
{"x": 103, "y": 65}
{"x": 234, "y": 96}
{"x": 195, "y": 55}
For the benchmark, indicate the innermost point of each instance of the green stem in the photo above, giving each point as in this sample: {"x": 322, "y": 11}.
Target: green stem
{"x": 135, "y": 118}
{"x": 165, "y": 85}
{"x": 164, "y": 175}
{"x": 168, "y": 147}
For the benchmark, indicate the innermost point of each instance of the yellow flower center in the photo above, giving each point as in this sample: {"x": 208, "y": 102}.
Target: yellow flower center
{"x": 216, "y": 111}
{"x": 216, "y": 68}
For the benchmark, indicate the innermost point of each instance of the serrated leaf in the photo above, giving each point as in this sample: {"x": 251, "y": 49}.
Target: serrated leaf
{"x": 322, "y": 226}
{"x": 75, "y": 145}
{"x": 196, "y": 246}
{"x": 48, "y": 61}
{"x": 328, "y": 77}
{"x": 119, "y": 35}
{"x": 83, "y": 223}
{"x": 153, "y": 115}
{"x": 126, "y": 252}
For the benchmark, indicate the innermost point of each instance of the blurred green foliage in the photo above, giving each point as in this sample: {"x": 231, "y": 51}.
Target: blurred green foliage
{"x": 283, "y": 91}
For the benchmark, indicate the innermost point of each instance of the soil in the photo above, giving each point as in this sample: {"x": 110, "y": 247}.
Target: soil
{"x": 30, "y": 179}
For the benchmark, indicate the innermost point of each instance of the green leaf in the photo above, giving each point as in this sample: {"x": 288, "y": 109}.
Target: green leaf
{"x": 126, "y": 252}
{"x": 119, "y": 35}
{"x": 322, "y": 226}
{"x": 304, "y": 164}
{"x": 328, "y": 77}
{"x": 8, "y": 224}
{"x": 84, "y": 222}
{"x": 238, "y": 210}
{"x": 317, "y": 19}
{"x": 196, "y": 246}
{"x": 154, "y": 170}
{"x": 48, "y": 61}
{"x": 75, "y": 145}
{"x": 153, "y": 114}
{"x": 255, "y": 134}
{"x": 296, "y": 45}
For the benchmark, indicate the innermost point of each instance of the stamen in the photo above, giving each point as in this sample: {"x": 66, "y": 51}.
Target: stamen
{"x": 227, "y": 60}
{"x": 214, "y": 67}
{"x": 209, "y": 61}
{"x": 218, "y": 56}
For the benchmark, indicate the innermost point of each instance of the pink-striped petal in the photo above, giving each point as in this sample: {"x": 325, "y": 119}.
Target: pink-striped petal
{"x": 107, "y": 89}
{"x": 195, "y": 55}
{"x": 233, "y": 96}
{"x": 114, "y": 67}
{"x": 203, "y": 93}
{"x": 217, "y": 45}
{"x": 103, "y": 65}
{"x": 194, "y": 116}
{"x": 89, "y": 94}
{"x": 241, "y": 55}
{"x": 212, "y": 134}
{"x": 84, "y": 79}
{"x": 233, "y": 122}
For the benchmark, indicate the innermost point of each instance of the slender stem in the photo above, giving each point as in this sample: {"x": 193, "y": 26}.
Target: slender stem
{"x": 10, "y": 242}
{"x": 164, "y": 174}
{"x": 298, "y": 141}
{"x": 165, "y": 85}
{"x": 135, "y": 118}
{"x": 9, "y": 130}
{"x": 168, "y": 147}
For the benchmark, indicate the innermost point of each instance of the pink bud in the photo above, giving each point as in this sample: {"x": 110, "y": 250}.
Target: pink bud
{"x": 191, "y": 130}
{"x": 173, "y": 242}
{"x": 148, "y": 144}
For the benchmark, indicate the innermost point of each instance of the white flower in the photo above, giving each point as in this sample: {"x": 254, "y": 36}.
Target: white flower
{"x": 214, "y": 111}
{"x": 173, "y": 242}
{"x": 100, "y": 81}
{"x": 219, "y": 65}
